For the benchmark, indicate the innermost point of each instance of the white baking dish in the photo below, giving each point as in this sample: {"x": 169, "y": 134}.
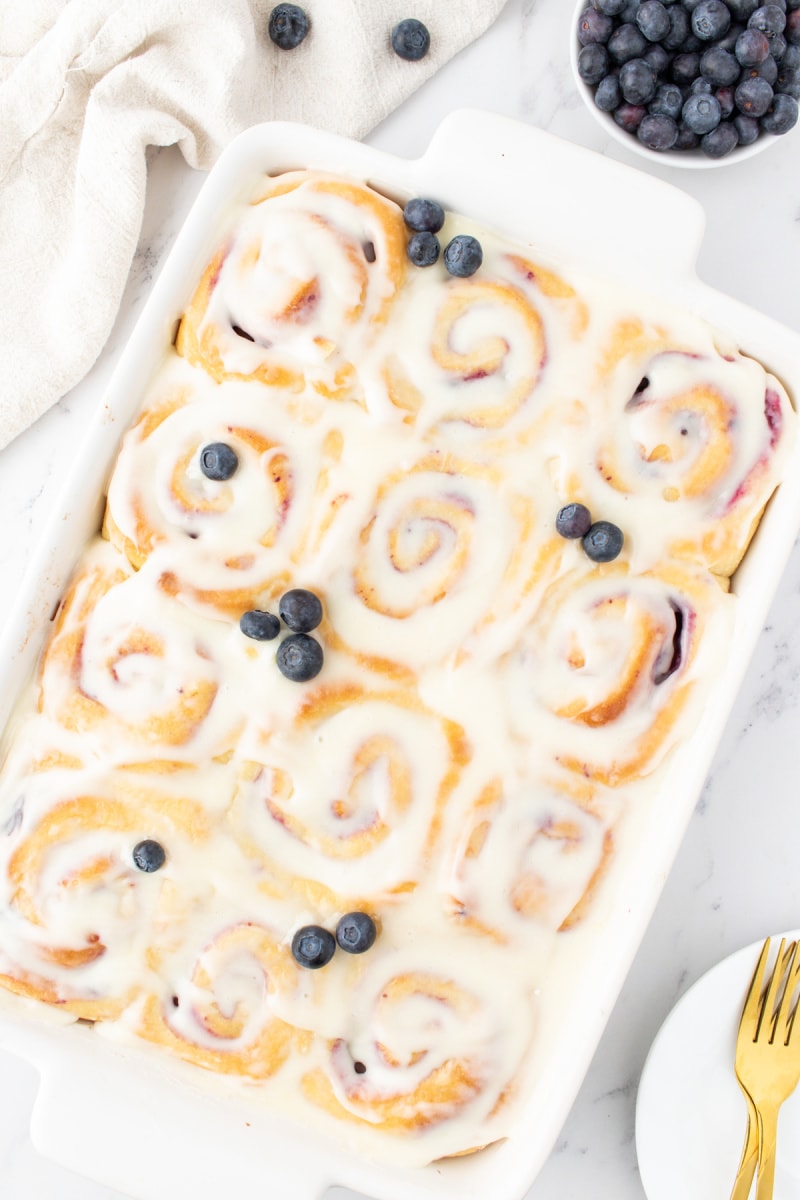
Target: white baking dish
{"x": 152, "y": 1127}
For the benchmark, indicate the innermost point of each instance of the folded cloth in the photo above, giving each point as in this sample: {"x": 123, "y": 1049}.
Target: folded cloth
{"x": 87, "y": 85}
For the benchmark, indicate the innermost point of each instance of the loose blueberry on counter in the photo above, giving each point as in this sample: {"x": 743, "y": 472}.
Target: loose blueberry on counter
{"x": 603, "y": 542}
{"x": 313, "y": 947}
{"x": 423, "y": 249}
{"x": 300, "y": 609}
{"x": 149, "y": 855}
{"x": 356, "y": 932}
{"x": 261, "y": 626}
{"x": 299, "y": 657}
{"x": 573, "y": 521}
{"x": 463, "y": 255}
{"x": 423, "y": 216}
{"x": 218, "y": 461}
{"x": 288, "y": 26}
{"x": 411, "y": 40}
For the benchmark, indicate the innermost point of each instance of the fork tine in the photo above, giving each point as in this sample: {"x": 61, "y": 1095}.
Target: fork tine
{"x": 752, "y": 1005}
{"x": 773, "y": 989}
{"x": 786, "y": 1008}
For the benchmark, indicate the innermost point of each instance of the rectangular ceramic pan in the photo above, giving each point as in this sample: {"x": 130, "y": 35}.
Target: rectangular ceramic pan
{"x": 152, "y": 1128}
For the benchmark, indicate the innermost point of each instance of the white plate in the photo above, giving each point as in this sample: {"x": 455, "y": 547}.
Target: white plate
{"x": 690, "y": 1113}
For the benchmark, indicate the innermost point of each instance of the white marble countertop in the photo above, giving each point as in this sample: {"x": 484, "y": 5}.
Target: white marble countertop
{"x": 736, "y": 877}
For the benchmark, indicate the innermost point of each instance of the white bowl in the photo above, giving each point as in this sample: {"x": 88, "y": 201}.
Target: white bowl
{"x": 693, "y": 159}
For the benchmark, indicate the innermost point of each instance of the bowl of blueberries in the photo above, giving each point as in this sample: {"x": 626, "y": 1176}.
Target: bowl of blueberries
{"x": 693, "y": 83}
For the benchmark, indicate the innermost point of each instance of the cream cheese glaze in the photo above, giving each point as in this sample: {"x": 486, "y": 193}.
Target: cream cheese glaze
{"x": 493, "y": 707}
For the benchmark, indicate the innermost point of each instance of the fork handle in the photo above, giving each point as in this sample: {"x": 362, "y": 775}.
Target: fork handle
{"x": 768, "y": 1132}
{"x": 747, "y": 1165}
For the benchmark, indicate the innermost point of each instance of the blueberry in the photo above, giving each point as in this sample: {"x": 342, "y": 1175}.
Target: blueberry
{"x": 423, "y": 249}
{"x": 720, "y": 141}
{"x": 628, "y": 14}
{"x": 657, "y": 58}
{"x": 573, "y": 520}
{"x": 603, "y": 542}
{"x": 701, "y": 113}
{"x": 781, "y": 115}
{"x": 593, "y": 63}
{"x": 313, "y": 947}
{"x": 719, "y": 67}
{"x": 149, "y": 855}
{"x": 788, "y": 77}
{"x": 356, "y": 932}
{"x": 637, "y": 81}
{"x": 608, "y": 95}
{"x": 411, "y": 40}
{"x": 729, "y": 41}
{"x": 752, "y": 47}
{"x": 218, "y": 461}
{"x": 463, "y": 255}
{"x": 686, "y": 140}
{"x": 700, "y": 87}
{"x": 657, "y": 132}
{"x": 261, "y": 626}
{"x": 742, "y": 10}
{"x": 653, "y": 20}
{"x": 423, "y": 216}
{"x": 691, "y": 5}
{"x": 767, "y": 70}
{"x": 667, "y": 102}
{"x": 300, "y": 609}
{"x": 629, "y": 116}
{"x": 769, "y": 19}
{"x": 711, "y": 20}
{"x": 299, "y": 657}
{"x": 611, "y": 8}
{"x": 678, "y": 28}
{"x": 685, "y": 68}
{"x": 288, "y": 25}
{"x": 747, "y": 129}
{"x": 753, "y": 97}
{"x": 727, "y": 103}
{"x": 793, "y": 28}
{"x": 777, "y": 46}
{"x": 594, "y": 26}
{"x": 625, "y": 43}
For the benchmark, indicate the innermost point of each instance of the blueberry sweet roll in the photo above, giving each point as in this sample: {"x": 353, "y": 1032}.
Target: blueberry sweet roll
{"x": 133, "y": 673}
{"x": 530, "y": 858}
{"x": 91, "y": 872}
{"x": 226, "y": 490}
{"x": 430, "y": 1044}
{"x": 299, "y": 287}
{"x": 616, "y": 665}
{"x": 695, "y": 435}
{"x": 360, "y": 814}
{"x": 215, "y": 1006}
{"x": 447, "y": 548}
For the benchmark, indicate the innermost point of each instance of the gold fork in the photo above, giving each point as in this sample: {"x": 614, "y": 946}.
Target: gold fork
{"x": 767, "y": 1064}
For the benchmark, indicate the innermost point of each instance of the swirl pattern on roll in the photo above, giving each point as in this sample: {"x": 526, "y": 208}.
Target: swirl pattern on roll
{"x": 607, "y": 672}
{"x": 297, "y": 290}
{"x": 530, "y": 859}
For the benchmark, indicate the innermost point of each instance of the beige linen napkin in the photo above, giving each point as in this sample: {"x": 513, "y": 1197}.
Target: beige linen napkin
{"x": 87, "y": 85}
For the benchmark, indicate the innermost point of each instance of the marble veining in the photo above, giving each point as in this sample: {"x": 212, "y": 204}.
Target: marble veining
{"x": 735, "y": 878}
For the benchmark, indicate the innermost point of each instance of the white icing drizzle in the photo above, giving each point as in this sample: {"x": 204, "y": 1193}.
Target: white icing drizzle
{"x": 491, "y": 708}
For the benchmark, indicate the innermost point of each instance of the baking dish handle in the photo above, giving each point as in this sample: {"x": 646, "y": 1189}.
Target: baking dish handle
{"x": 593, "y": 211}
